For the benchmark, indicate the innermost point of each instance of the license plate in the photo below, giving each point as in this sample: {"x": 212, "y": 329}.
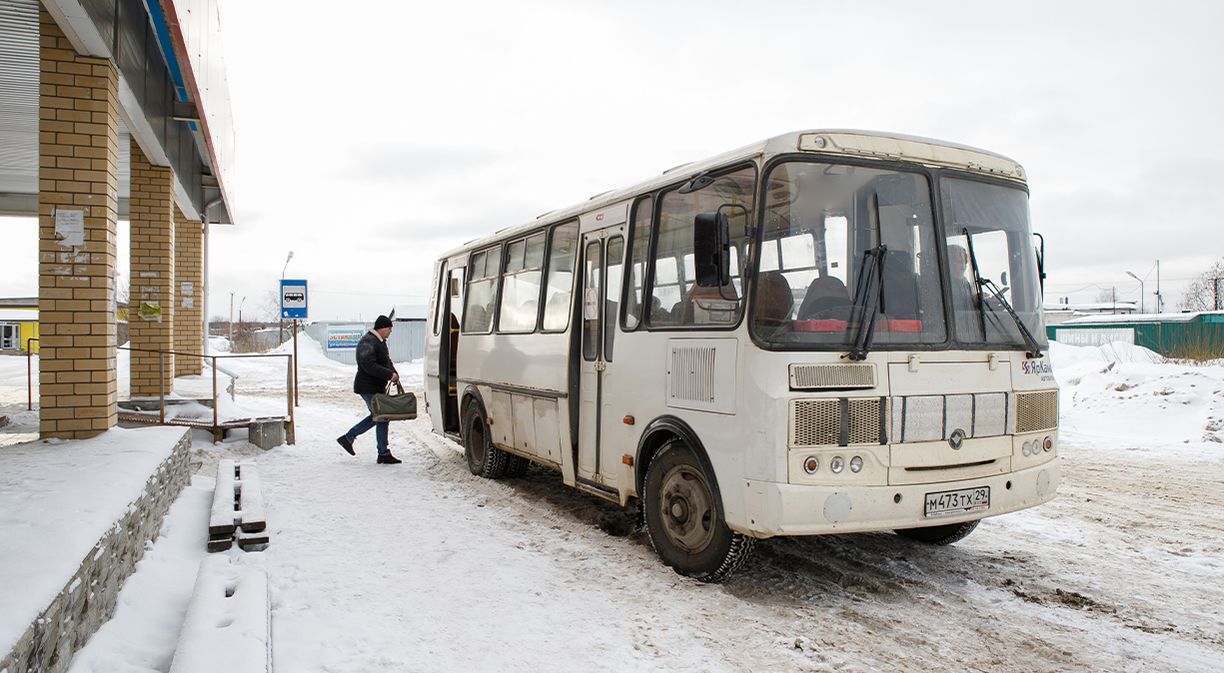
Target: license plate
{"x": 949, "y": 503}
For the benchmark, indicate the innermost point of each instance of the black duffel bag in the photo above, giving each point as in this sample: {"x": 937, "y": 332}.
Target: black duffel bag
{"x": 397, "y": 406}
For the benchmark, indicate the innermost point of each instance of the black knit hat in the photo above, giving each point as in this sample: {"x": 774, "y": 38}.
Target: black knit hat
{"x": 381, "y": 322}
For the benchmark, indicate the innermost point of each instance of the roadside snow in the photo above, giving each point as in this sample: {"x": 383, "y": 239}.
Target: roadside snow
{"x": 423, "y": 567}
{"x": 57, "y": 499}
{"x": 1125, "y": 393}
{"x": 143, "y": 635}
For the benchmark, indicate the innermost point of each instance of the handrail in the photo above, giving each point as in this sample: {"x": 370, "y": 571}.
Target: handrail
{"x": 30, "y": 374}
{"x": 290, "y": 392}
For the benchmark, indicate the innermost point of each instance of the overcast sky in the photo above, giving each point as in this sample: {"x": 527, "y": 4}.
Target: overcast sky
{"x": 373, "y": 136}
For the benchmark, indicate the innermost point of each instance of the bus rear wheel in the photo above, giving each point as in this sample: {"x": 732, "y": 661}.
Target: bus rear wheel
{"x": 939, "y": 535}
{"x": 483, "y": 459}
{"x": 683, "y": 519}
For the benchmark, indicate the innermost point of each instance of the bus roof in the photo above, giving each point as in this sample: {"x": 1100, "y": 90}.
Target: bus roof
{"x": 829, "y": 142}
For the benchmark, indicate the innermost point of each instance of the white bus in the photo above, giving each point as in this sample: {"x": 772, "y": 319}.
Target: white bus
{"x": 825, "y": 332}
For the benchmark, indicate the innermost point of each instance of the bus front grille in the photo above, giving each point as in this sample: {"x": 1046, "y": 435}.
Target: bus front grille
{"x": 824, "y": 377}
{"x": 836, "y": 422}
{"x": 1036, "y": 411}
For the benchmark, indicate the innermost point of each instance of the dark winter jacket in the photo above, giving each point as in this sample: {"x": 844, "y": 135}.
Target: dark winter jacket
{"x": 374, "y": 368}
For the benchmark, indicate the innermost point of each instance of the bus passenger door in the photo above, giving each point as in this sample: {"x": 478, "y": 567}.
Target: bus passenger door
{"x": 602, "y": 262}
{"x": 591, "y": 365}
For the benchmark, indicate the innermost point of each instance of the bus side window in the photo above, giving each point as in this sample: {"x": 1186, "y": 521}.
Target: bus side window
{"x": 481, "y": 291}
{"x": 521, "y": 285}
{"x": 559, "y": 284}
{"x": 700, "y": 306}
{"x": 639, "y": 250}
{"x": 591, "y": 264}
{"x": 616, "y": 253}
{"x": 439, "y": 298}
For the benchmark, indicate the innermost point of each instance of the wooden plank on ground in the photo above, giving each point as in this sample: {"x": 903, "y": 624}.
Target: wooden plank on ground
{"x": 222, "y": 520}
{"x": 250, "y": 500}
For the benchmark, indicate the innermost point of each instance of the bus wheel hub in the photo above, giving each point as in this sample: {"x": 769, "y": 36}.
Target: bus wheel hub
{"x": 688, "y": 512}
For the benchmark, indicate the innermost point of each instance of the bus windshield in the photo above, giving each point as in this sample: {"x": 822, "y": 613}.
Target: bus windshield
{"x": 822, "y": 223}
{"x": 992, "y": 221}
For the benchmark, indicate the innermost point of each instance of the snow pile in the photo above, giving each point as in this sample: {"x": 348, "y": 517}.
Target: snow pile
{"x": 57, "y": 499}
{"x": 1121, "y": 392}
{"x": 227, "y": 626}
{"x": 310, "y": 353}
{"x": 144, "y": 632}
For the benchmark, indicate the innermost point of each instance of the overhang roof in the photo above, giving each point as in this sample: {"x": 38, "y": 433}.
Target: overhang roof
{"x": 193, "y": 136}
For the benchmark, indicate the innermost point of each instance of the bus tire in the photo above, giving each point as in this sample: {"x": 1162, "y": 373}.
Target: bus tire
{"x": 684, "y": 521}
{"x": 483, "y": 459}
{"x": 939, "y": 535}
{"x": 516, "y": 466}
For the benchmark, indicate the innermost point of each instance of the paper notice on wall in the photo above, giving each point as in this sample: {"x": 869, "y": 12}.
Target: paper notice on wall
{"x": 590, "y": 304}
{"x": 188, "y": 302}
{"x": 188, "y": 289}
{"x": 70, "y": 227}
{"x": 150, "y": 310}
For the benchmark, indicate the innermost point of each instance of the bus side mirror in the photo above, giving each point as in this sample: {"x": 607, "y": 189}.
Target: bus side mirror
{"x": 711, "y": 249}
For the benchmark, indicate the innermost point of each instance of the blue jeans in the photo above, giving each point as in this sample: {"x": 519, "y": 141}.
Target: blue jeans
{"x": 380, "y": 428}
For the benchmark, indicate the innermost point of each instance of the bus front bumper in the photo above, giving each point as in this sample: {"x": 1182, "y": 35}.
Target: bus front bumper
{"x": 788, "y": 509}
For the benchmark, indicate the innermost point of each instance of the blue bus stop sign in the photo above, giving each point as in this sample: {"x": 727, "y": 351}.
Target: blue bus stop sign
{"x": 293, "y": 298}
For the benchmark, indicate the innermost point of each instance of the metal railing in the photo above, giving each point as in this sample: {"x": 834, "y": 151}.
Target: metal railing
{"x": 290, "y": 384}
{"x": 30, "y": 373}
{"x": 290, "y": 392}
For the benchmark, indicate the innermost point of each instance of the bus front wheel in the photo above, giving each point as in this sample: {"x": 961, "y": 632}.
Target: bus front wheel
{"x": 939, "y": 535}
{"x": 683, "y": 519}
{"x": 483, "y": 459}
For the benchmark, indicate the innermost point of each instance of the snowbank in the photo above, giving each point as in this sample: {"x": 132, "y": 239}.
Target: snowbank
{"x": 57, "y": 499}
{"x": 1125, "y": 393}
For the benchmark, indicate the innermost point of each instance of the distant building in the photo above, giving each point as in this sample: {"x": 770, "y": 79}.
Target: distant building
{"x": 1056, "y": 314}
{"x": 1198, "y": 335}
{"x": 18, "y": 324}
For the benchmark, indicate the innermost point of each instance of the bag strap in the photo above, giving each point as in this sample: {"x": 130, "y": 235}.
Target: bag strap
{"x": 399, "y": 388}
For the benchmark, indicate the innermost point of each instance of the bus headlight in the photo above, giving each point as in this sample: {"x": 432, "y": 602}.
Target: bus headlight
{"x": 837, "y": 464}
{"x": 811, "y": 464}
{"x": 1026, "y": 449}
{"x": 856, "y": 464}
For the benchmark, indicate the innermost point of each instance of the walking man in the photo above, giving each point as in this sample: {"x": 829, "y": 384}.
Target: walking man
{"x": 374, "y": 372}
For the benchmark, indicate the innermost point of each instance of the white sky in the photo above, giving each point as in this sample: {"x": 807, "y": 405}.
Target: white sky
{"x": 373, "y": 136}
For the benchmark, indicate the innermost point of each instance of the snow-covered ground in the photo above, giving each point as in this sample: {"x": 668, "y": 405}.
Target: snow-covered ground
{"x": 422, "y": 567}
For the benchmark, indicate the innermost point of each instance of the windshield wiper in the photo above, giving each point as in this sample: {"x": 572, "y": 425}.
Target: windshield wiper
{"x": 869, "y": 297}
{"x": 868, "y": 300}
{"x": 983, "y": 305}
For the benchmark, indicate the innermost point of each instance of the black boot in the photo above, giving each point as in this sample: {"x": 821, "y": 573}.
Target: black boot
{"x": 388, "y": 459}
{"x": 346, "y": 444}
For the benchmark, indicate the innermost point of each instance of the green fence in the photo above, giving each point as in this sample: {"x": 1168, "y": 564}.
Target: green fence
{"x": 1192, "y": 335}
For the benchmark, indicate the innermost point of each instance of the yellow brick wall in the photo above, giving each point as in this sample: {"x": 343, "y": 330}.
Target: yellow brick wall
{"x": 151, "y": 293}
{"x": 78, "y": 171}
{"x": 188, "y": 293}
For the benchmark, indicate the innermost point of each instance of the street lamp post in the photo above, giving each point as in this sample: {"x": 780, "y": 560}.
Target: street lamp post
{"x": 282, "y": 318}
{"x": 1140, "y": 289}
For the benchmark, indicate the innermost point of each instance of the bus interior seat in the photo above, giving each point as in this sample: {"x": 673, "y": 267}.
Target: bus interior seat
{"x": 827, "y": 297}
{"x": 900, "y": 285}
{"x": 774, "y": 298}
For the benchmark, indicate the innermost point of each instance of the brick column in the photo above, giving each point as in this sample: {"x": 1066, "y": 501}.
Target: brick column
{"x": 78, "y": 110}
{"x": 151, "y": 298}
{"x": 188, "y": 293}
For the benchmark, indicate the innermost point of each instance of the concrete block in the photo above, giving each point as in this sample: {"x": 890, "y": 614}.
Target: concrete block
{"x": 266, "y": 434}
